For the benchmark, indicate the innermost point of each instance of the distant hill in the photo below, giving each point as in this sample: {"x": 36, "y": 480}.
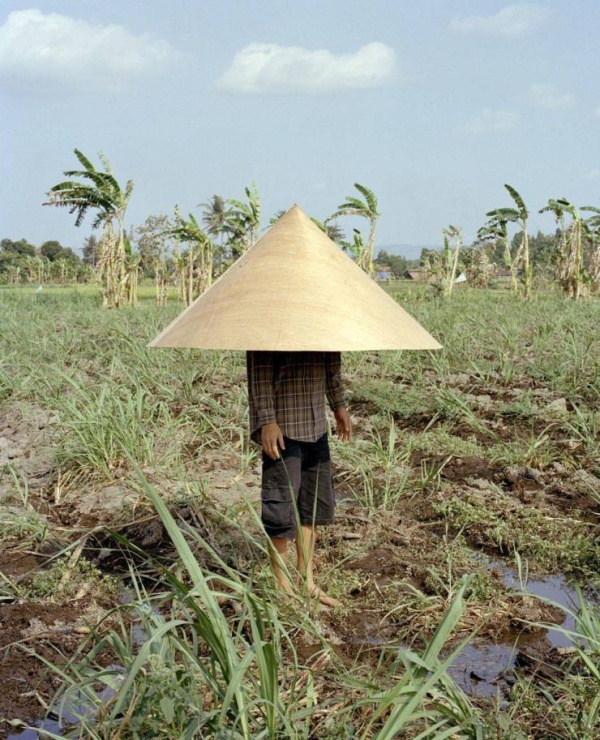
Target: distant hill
{"x": 409, "y": 251}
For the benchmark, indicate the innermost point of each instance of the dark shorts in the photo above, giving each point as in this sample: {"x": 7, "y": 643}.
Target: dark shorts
{"x": 297, "y": 488}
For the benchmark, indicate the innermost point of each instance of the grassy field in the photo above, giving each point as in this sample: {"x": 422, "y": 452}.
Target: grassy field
{"x": 135, "y": 600}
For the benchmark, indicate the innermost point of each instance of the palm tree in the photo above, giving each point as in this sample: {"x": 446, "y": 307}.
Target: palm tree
{"x": 366, "y": 208}
{"x": 278, "y": 214}
{"x": 243, "y": 221}
{"x": 216, "y": 218}
{"x": 90, "y": 250}
{"x": 335, "y": 232}
{"x": 215, "y": 215}
{"x": 101, "y": 193}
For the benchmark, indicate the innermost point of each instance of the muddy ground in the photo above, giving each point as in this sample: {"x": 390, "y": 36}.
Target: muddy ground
{"x": 392, "y": 569}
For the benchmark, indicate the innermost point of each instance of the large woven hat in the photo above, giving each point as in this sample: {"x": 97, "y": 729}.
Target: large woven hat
{"x": 295, "y": 290}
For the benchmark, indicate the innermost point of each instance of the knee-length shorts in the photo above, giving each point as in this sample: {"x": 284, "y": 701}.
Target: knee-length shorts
{"x": 297, "y": 488}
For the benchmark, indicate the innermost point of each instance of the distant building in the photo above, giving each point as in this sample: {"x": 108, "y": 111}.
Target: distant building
{"x": 416, "y": 275}
{"x": 384, "y": 275}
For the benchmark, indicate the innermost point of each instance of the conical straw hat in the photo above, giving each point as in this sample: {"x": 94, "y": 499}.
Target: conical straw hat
{"x": 295, "y": 290}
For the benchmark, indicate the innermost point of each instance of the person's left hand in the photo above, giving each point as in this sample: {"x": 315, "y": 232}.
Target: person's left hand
{"x": 343, "y": 424}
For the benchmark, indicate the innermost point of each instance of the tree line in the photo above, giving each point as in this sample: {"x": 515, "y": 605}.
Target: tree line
{"x": 191, "y": 251}
{"x": 183, "y": 250}
{"x": 570, "y": 256}
{"x": 22, "y": 262}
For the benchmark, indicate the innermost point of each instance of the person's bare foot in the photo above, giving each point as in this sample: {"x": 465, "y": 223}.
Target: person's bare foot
{"x": 317, "y": 593}
{"x": 285, "y": 592}
{"x": 286, "y": 595}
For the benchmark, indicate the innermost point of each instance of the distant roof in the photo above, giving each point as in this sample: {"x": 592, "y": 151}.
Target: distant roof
{"x": 415, "y": 274}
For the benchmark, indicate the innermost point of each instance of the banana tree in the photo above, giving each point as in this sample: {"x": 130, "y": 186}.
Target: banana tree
{"x": 356, "y": 247}
{"x": 496, "y": 230}
{"x": 199, "y": 260}
{"x": 14, "y": 274}
{"x": 100, "y": 193}
{"x": 475, "y": 261}
{"x": 452, "y": 245}
{"x": 497, "y": 227}
{"x": 38, "y": 269}
{"x": 441, "y": 266}
{"x": 335, "y": 232}
{"x": 179, "y": 264}
{"x": 367, "y": 208}
{"x": 161, "y": 279}
{"x": 570, "y": 269}
{"x": 132, "y": 274}
{"x": 59, "y": 270}
{"x": 593, "y": 234}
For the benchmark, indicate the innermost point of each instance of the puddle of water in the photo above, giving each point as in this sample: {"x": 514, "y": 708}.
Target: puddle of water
{"x": 50, "y": 725}
{"x": 482, "y": 669}
{"x": 554, "y": 588}
{"x": 82, "y": 706}
{"x": 79, "y": 707}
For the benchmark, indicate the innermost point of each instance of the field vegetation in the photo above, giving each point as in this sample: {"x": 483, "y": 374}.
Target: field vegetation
{"x": 190, "y": 252}
{"x": 135, "y": 596}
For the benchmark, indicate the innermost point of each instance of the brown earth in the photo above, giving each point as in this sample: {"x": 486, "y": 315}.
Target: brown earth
{"x": 44, "y": 629}
{"x": 390, "y": 593}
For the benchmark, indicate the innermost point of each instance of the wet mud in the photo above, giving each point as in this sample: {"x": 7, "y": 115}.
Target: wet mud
{"x": 390, "y": 567}
{"x": 487, "y": 669}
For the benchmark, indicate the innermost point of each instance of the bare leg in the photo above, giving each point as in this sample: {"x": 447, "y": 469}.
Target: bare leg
{"x": 305, "y": 549}
{"x": 277, "y": 556}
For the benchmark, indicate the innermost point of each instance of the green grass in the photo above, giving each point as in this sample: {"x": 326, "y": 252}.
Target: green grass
{"x": 122, "y": 407}
{"x": 230, "y": 674}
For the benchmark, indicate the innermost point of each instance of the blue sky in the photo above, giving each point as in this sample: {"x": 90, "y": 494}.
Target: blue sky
{"x": 433, "y": 105}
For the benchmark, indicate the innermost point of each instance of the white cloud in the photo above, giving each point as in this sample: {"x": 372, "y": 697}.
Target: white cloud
{"x": 513, "y": 20}
{"x": 548, "y": 96}
{"x": 489, "y": 122}
{"x": 270, "y": 68}
{"x": 40, "y": 49}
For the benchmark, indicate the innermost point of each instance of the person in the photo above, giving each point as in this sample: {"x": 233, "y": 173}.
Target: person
{"x": 286, "y": 392}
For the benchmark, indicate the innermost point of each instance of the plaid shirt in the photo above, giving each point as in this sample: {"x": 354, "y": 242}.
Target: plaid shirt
{"x": 290, "y": 388}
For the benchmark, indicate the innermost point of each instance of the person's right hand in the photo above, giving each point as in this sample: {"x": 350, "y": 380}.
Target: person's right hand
{"x": 271, "y": 440}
